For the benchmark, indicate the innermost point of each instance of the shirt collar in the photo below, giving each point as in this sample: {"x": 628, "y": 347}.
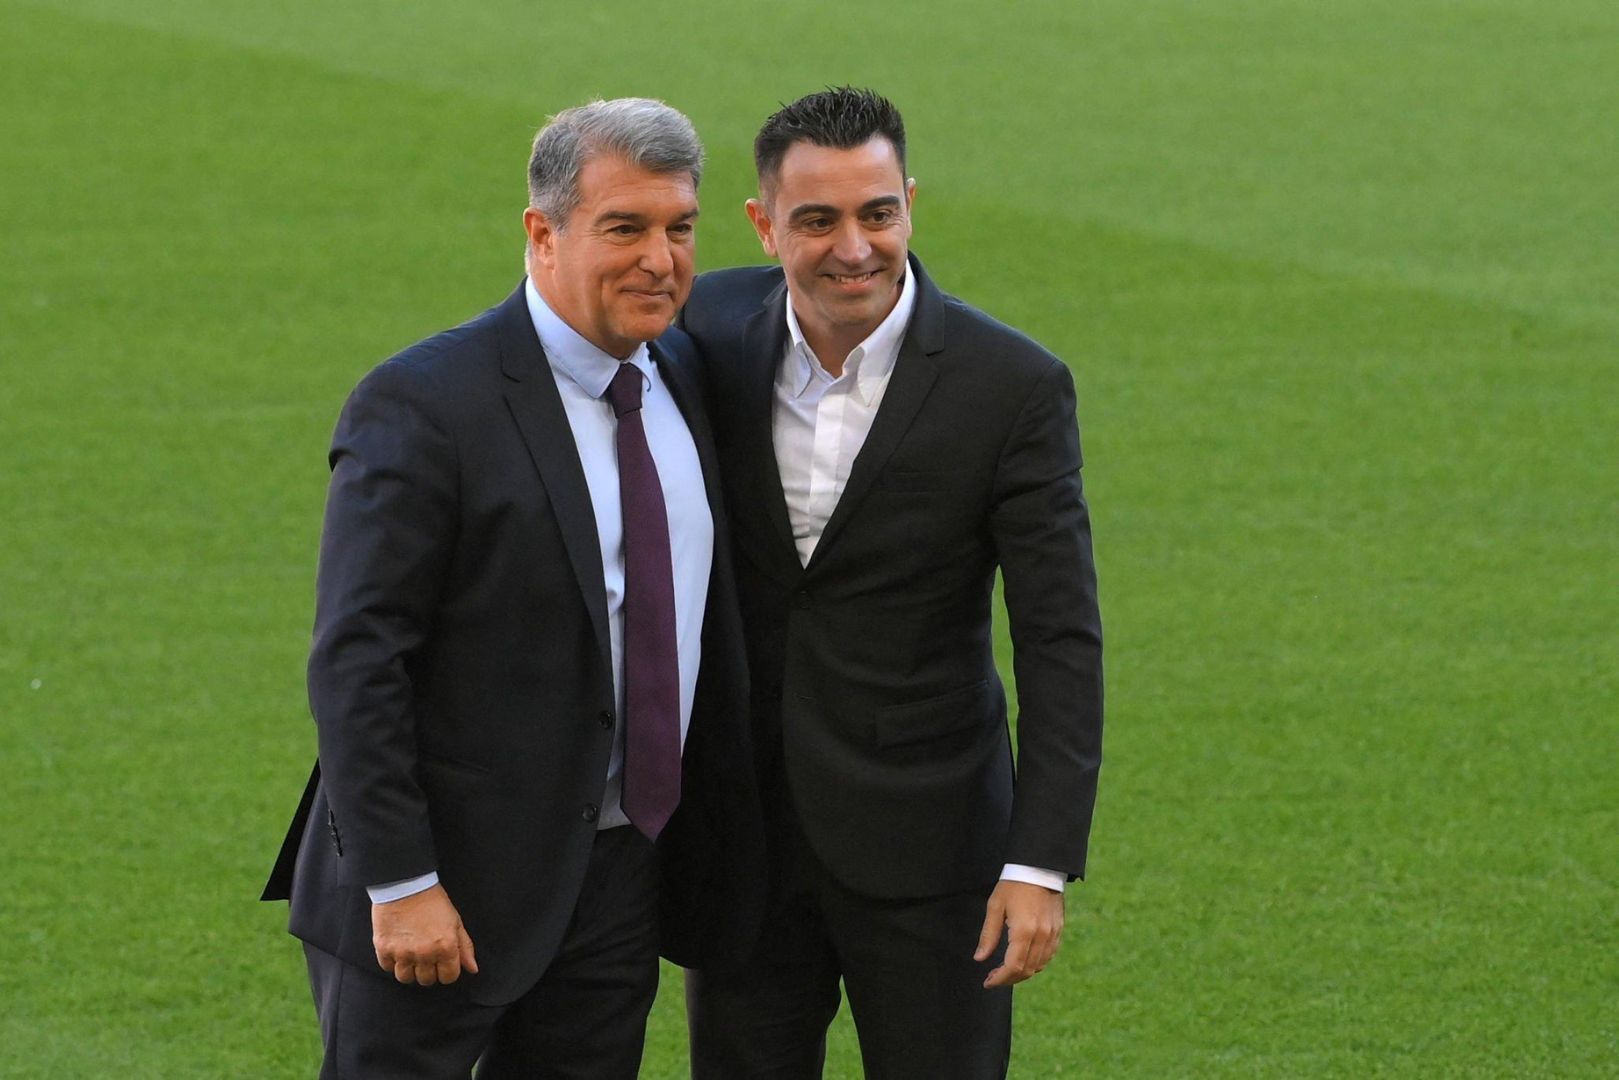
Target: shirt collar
{"x": 870, "y": 362}
{"x": 575, "y": 357}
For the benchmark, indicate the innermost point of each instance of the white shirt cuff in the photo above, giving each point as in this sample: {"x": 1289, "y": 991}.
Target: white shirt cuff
{"x": 1034, "y": 875}
{"x": 398, "y": 890}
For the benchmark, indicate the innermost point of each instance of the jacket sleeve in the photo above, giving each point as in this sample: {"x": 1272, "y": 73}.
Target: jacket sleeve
{"x": 1041, "y": 531}
{"x": 385, "y": 546}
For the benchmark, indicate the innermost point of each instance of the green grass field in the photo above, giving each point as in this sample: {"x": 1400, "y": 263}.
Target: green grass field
{"x": 1340, "y": 286}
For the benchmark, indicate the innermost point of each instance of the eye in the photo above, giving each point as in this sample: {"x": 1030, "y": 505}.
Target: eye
{"x": 625, "y": 229}
{"x": 685, "y": 228}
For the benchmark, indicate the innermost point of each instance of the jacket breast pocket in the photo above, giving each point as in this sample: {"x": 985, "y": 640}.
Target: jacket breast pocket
{"x": 931, "y": 718}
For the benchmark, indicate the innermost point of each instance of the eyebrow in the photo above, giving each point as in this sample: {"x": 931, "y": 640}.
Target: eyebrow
{"x": 881, "y": 202}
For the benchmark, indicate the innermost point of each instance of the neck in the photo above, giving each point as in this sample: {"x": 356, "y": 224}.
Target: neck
{"x": 546, "y": 287}
{"x": 833, "y": 348}
{"x": 833, "y": 344}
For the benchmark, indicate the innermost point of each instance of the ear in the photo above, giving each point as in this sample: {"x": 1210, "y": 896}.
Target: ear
{"x": 542, "y": 238}
{"x": 910, "y": 201}
{"x": 762, "y": 225}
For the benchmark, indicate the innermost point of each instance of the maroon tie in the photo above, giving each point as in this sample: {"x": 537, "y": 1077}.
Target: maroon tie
{"x": 651, "y": 665}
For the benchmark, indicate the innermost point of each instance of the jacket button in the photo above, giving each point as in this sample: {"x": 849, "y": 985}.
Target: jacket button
{"x": 590, "y": 811}
{"x": 605, "y": 718}
{"x": 801, "y": 599}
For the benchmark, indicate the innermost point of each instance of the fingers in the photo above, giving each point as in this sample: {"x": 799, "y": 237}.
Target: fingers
{"x": 1053, "y": 941}
{"x": 420, "y": 939}
{"x": 447, "y": 970}
{"x": 468, "y": 959}
{"x": 424, "y": 967}
{"x": 453, "y": 962}
{"x": 1034, "y": 921}
{"x": 990, "y": 935}
{"x": 1015, "y": 967}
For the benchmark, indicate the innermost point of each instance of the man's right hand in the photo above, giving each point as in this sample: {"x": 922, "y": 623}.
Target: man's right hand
{"x": 420, "y": 939}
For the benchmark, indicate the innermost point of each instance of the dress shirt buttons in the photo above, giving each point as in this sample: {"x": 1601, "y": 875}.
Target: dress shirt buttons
{"x": 590, "y": 811}
{"x": 605, "y": 718}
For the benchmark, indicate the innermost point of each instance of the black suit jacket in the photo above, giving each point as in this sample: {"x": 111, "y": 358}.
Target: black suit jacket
{"x": 460, "y": 672}
{"x": 873, "y": 667}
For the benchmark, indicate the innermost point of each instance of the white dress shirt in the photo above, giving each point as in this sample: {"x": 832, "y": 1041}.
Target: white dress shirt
{"x": 582, "y": 374}
{"x": 819, "y": 425}
{"x": 821, "y": 422}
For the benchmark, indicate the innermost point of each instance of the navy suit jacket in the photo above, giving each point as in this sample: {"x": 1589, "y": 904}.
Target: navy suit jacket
{"x": 460, "y": 672}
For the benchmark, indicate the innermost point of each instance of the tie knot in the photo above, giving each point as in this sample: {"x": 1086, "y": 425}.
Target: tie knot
{"x": 625, "y": 389}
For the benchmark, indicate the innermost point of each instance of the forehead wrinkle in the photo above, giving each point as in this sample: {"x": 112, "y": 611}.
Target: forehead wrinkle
{"x": 634, "y": 218}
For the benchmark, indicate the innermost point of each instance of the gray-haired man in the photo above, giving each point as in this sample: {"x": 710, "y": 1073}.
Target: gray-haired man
{"x": 527, "y": 673}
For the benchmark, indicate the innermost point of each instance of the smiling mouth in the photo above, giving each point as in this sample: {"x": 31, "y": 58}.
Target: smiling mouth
{"x": 853, "y": 279}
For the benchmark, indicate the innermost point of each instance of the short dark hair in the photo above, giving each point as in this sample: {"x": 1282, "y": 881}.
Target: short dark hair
{"x": 839, "y": 117}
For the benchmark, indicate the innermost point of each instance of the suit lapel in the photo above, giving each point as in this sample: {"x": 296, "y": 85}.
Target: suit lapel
{"x": 688, "y": 401}
{"x": 915, "y": 370}
{"x": 536, "y": 406}
{"x": 764, "y": 339}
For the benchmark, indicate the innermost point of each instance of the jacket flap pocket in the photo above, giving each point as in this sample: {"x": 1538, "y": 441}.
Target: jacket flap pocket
{"x": 441, "y": 764}
{"x": 930, "y": 718}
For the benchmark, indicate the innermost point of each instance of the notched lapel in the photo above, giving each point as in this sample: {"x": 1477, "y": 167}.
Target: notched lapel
{"x": 915, "y": 370}
{"x": 914, "y": 373}
{"x": 689, "y": 401}
{"x": 536, "y": 406}
{"x": 764, "y": 339}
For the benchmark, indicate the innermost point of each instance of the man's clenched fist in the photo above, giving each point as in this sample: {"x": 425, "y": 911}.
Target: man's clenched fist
{"x": 420, "y": 939}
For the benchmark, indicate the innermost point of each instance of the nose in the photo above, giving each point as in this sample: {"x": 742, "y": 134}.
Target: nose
{"x": 851, "y": 246}
{"x": 657, "y": 257}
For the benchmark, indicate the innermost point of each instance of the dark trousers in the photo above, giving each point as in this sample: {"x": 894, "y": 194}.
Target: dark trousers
{"x": 584, "y": 1018}
{"x": 915, "y": 992}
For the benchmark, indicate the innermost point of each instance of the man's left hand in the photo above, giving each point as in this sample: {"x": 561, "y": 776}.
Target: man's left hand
{"x": 1032, "y": 916}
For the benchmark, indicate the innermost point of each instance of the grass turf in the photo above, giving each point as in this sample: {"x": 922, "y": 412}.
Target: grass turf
{"x": 1338, "y": 285}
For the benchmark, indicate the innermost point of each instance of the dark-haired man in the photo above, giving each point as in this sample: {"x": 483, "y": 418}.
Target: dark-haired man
{"x": 526, "y": 673}
{"x": 885, "y": 448}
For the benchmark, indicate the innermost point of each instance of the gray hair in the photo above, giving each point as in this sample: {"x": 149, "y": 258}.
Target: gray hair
{"x": 647, "y": 134}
